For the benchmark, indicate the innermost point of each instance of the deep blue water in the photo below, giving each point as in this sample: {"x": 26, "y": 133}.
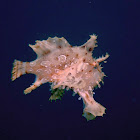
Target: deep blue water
{"x": 34, "y": 117}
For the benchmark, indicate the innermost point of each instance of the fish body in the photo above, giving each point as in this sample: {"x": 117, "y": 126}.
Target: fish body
{"x": 65, "y": 67}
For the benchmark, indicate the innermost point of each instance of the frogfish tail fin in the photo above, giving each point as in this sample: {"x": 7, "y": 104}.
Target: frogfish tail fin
{"x": 19, "y": 68}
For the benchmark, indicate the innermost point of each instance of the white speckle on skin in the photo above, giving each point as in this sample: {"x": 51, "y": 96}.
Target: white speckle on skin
{"x": 54, "y": 76}
{"x": 48, "y": 71}
{"x": 44, "y": 80}
{"x": 32, "y": 64}
{"x": 89, "y": 88}
{"x": 30, "y": 69}
{"x": 62, "y": 58}
{"x": 39, "y": 70}
{"x": 80, "y": 98}
{"x": 56, "y": 70}
{"x": 66, "y": 66}
{"x": 72, "y": 63}
{"x": 45, "y": 63}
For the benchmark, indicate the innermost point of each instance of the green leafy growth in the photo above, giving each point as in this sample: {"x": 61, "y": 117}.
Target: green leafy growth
{"x": 56, "y": 94}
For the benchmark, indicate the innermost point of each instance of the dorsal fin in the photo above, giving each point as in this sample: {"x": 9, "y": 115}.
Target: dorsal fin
{"x": 90, "y": 44}
{"x": 44, "y": 47}
{"x": 40, "y": 48}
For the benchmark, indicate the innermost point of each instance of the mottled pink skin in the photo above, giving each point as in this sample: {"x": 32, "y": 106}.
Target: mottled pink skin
{"x": 65, "y": 66}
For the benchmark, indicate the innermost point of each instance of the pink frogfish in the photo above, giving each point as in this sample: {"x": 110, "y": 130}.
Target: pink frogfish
{"x": 66, "y": 67}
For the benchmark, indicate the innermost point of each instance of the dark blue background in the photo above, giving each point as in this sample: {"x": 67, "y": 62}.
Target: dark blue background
{"x": 33, "y": 117}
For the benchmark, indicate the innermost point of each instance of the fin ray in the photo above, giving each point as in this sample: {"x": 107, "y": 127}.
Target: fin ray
{"x": 19, "y": 68}
{"x": 46, "y": 46}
